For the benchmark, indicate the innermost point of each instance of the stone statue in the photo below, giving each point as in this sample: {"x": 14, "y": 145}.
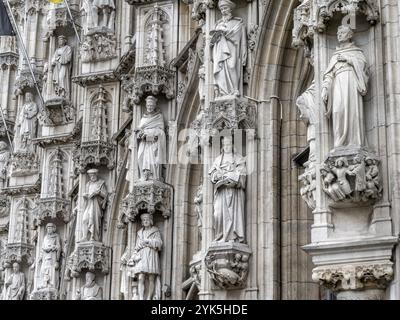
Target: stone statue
{"x": 228, "y": 173}
{"x": 27, "y": 124}
{"x": 198, "y": 201}
{"x": 49, "y": 258}
{"x": 229, "y": 42}
{"x": 151, "y": 142}
{"x": 358, "y": 170}
{"x": 341, "y": 170}
{"x": 4, "y": 158}
{"x": 61, "y": 66}
{"x": 331, "y": 186}
{"x": 145, "y": 259}
{"x": 90, "y": 290}
{"x": 373, "y": 185}
{"x": 15, "y": 284}
{"x": 89, "y": 12}
{"x": 345, "y": 84}
{"x": 96, "y": 200}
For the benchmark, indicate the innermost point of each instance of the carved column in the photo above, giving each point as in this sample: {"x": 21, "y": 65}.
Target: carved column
{"x": 345, "y": 177}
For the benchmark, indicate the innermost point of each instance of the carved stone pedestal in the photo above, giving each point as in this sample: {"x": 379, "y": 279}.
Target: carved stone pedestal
{"x": 147, "y": 196}
{"x": 90, "y": 255}
{"x": 44, "y": 294}
{"x": 58, "y": 111}
{"x": 99, "y": 44}
{"x": 351, "y": 176}
{"x": 231, "y": 113}
{"x": 228, "y": 264}
{"x": 23, "y": 164}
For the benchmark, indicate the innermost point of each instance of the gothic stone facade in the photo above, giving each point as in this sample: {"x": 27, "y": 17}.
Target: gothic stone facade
{"x": 200, "y": 149}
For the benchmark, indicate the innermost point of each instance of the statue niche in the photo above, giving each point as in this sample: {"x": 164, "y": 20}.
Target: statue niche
{"x": 14, "y": 286}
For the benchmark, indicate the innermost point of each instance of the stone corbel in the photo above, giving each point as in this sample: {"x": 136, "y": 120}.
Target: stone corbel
{"x": 98, "y": 45}
{"x": 303, "y": 30}
{"x": 24, "y": 163}
{"x": 354, "y": 277}
{"x": 227, "y": 264}
{"x": 24, "y": 81}
{"x": 57, "y": 111}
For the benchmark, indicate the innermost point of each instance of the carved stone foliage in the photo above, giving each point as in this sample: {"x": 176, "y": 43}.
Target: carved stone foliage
{"x": 89, "y": 79}
{"x": 353, "y": 178}
{"x": 354, "y": 277}
{"x": 45, "y": 294}
{"x": 23, "y": 164}
{"x": 95, "y": 152}
{"x": 4, "y": 206}
{"x": 149, "y": 80}
{"x": 98, "y": 46}
{"x": 90, "y": 256}
{"x": 237, "y": 113}
{"x": 147, "y": 196}
{"x": 228, "y": 264}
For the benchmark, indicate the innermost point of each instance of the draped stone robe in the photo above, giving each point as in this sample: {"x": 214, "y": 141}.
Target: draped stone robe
{"x": 347, "y": 84}
{"x": 27, "y": 122}
{"x": 229, "y": 55}
{"x": 50, "y": 255}
{"x": 15, "y": 286}
{"x": 62, "y": 71}
{"x": 91, "y": 292}
{"x": 229, "y": 200}
{"x": 152, "y": 153}
{"x": 95, "y": 204}
{"x": 147, "y": 255}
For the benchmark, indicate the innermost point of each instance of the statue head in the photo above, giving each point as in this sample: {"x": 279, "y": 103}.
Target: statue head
{"x": 227, "y": 144}
{"x": 345, "y": 33}
{"x": 357, "y": 159}
{"x": 226, "y": 7}
{"x": 16, "y": 267}
{"x": 147, "y": 220}
{"x": 369, "y": 161}
{"x": 92, "y": 173}
{"x": 3, "y": 146}
{"x": 51, "y": 228}
{"x": 62, "y": 40}
{"x": 151, "y": 104}
{"x": 90, "y": 276}
{"x": 341, "y": 162}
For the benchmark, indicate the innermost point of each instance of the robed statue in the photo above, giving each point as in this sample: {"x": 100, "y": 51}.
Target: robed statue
{"x": 27, "y": 124}
{"x": 14, "y": 285}
{"x": 90, "y": 290}
{"x": 229, "y": 42}
{"x": 345, "y": 84}
{"x": 151, "y": 142}
{"x": 49, "y": 258}
{"x": 61, "y": 66}
{"x": 96, "y": 200}
{"x": 228, "y": 174}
